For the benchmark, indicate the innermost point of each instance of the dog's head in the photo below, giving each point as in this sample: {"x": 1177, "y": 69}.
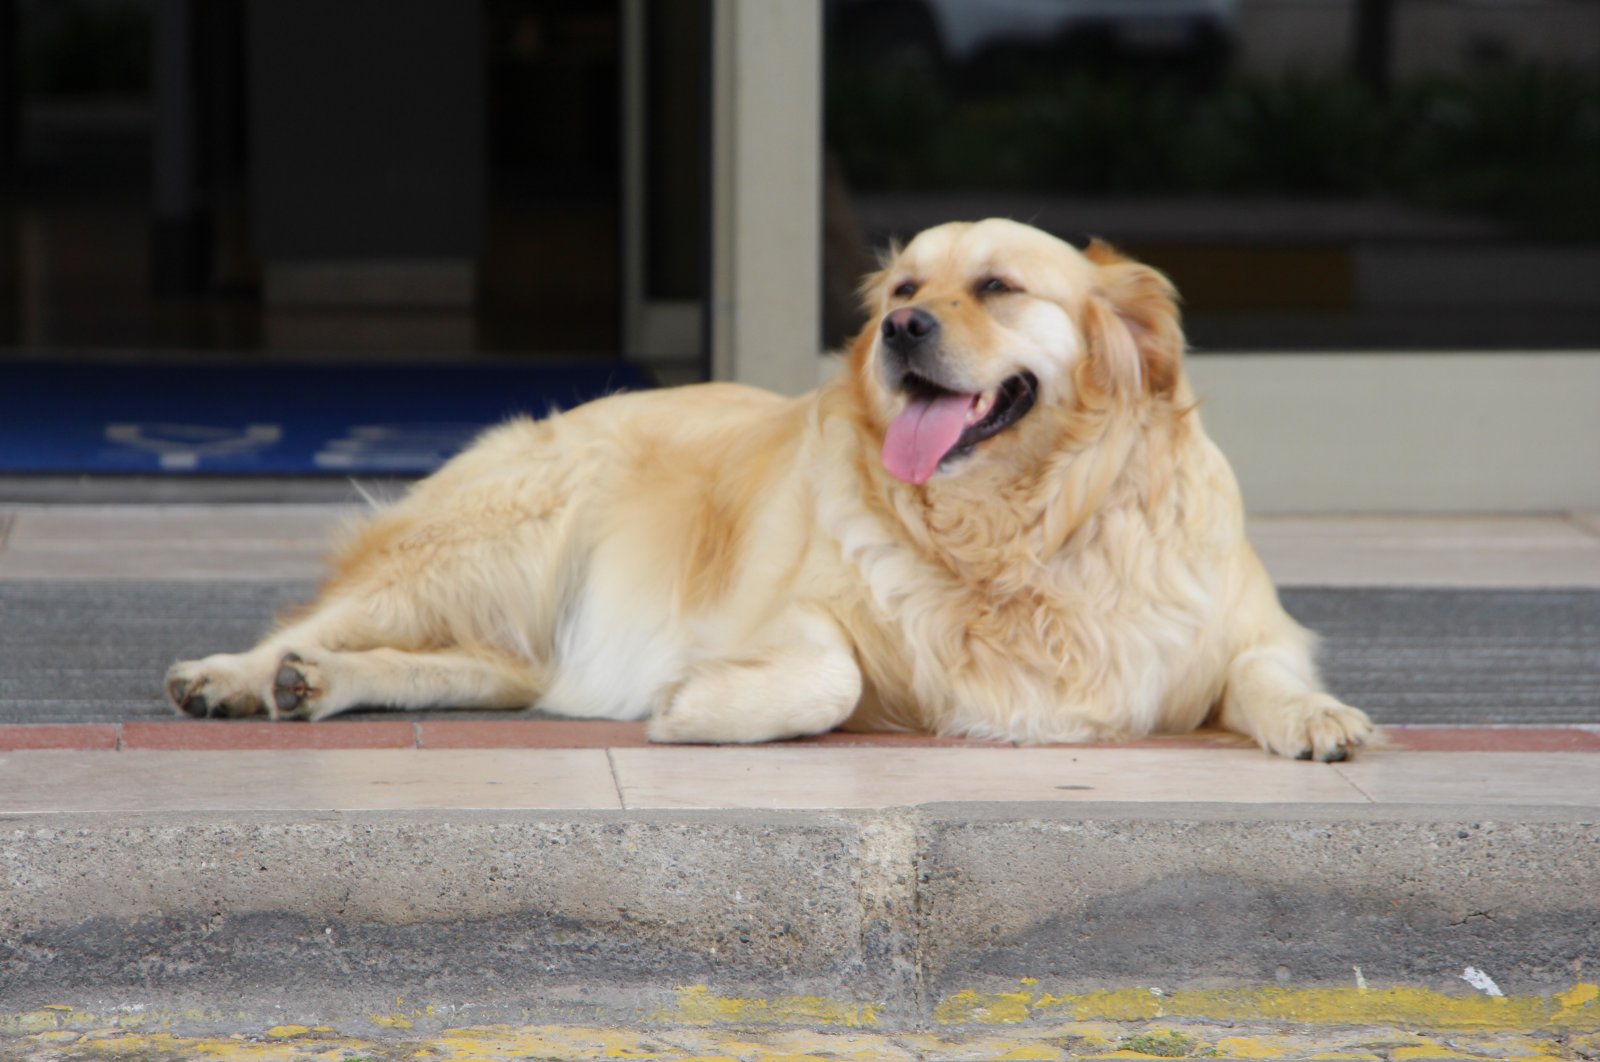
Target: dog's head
{"x": 991, "y": 341}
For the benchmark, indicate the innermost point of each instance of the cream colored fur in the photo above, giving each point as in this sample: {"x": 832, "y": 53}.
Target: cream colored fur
{"x": 735, "y": 566}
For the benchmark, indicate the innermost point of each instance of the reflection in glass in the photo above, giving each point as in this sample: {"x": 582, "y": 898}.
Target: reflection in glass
{"x": 1379, "y": 174}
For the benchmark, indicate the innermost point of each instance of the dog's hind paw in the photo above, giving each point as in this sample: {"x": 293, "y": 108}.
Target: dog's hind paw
{"x": 297, "y": 688}
{"x": 215, "y": 687}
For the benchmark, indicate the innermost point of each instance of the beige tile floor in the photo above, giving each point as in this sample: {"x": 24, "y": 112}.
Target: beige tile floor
{"x": 768, "y": 778}
{"x": 1477, "y": 778}
{"x": 865, "y": 778}
{"x": 300, "y": 780}
{"x": 275, "y": 542}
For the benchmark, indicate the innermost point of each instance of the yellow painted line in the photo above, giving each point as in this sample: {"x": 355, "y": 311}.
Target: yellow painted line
{"x": 1064, "y": 1042}
{"x": 1574, "y": 1011}
{"x": 697, "y": 1006}
{"x": 283, "y": 1032}
{"x": 391, "y": 1021}
{"x": 1249, "y": 1047}
{"x": 559, "y": 1042}
{"x": 1577, "y": 1009}
{"x": 1030, "y": 1053}
{"x": 1581, "y": 994}
{"x": 1023, "y": 1026}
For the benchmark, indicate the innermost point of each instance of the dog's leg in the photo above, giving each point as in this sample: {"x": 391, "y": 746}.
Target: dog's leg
{"x": 226, "y": 685}
{"x": 333, "y": 661}
{"x": 803, "y": 682}
{"x": 230, "y": 685}
{"x": 1273, "y": 695}
{"x": 315, "y": 684}
{"x": 295, "y": 679}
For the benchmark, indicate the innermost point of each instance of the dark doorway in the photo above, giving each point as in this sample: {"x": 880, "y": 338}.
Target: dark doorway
{"x": 161, "y": 156}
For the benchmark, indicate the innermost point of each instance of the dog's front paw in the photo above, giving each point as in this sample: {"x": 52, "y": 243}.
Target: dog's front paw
{"x": 1320, "y": 727}
{"x": 216, "y": 687}
{"x": 680, "y": 718}
{"x": 297, "y": 689}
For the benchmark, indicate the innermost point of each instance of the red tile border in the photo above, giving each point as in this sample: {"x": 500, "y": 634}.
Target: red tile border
{"x": 1492, "y": 739}
{"x": 77, "y": 736}
{"x": 221, "y": 734}
{"x": 529, "y": 734}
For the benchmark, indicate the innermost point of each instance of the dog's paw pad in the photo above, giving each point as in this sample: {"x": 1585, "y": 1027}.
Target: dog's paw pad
{"x": 295, "y": 688}
{"x": 187, "y": 692}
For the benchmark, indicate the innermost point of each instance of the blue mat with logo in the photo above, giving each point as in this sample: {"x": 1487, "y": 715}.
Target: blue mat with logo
{"x": 273, "y": 419}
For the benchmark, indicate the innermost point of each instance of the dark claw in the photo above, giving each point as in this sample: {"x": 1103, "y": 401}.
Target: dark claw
{"x": 1303, "y": 754}
{"x": 1338, "y": 753}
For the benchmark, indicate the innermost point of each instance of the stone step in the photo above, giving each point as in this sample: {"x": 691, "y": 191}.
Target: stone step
{"x": 940, "y": 919}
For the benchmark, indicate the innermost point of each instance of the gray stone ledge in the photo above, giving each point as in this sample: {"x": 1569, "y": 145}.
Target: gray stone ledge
{"x": 529, "y": 917}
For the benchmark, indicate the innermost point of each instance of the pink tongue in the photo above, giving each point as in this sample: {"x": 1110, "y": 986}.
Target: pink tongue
{"x": 923, "y": 434}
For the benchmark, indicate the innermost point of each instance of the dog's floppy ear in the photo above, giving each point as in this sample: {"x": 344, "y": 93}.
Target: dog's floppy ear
{"x": 1131, "y": 322}
{"x": 870, "y": 290}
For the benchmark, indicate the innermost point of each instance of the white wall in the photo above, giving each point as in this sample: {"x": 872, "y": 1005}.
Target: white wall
{"x": 1401, "y": 433}
{"x": 1407, "y": 432}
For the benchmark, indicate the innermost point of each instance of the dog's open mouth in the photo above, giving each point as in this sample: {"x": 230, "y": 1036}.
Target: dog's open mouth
{"x": 938, "y": 425}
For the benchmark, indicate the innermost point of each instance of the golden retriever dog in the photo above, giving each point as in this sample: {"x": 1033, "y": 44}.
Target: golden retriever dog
{"x": 1002, "y": 520}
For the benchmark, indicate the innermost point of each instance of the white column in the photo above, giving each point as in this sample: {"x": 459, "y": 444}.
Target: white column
{"x": 767, "y": 193}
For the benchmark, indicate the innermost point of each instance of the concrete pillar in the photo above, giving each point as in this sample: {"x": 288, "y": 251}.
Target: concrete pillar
{"x": 767, "y": 193}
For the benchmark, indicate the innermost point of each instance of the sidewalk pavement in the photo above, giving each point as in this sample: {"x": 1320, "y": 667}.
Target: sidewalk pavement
{"x": 497, "y": 887}
{"x": 474, "y": 769}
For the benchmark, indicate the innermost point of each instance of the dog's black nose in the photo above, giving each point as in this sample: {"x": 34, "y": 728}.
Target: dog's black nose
{"x": 908, "y": 326}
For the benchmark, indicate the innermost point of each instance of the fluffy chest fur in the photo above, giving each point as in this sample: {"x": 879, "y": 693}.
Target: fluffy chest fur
{"x": 1019, "y": 621}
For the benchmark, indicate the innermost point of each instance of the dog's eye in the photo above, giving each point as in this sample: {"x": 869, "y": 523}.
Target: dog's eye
{"x": 905, "y": 289}
{"x": 993, "y": 286}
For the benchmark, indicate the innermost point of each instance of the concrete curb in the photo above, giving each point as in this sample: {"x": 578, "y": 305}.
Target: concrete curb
{"x": 940, "y": 917}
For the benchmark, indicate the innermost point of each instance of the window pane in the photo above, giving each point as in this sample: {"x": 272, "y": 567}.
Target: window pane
{"x": 1314, "y": 174}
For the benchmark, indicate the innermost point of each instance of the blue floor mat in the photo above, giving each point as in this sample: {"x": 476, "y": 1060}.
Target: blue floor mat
{"x": 273, "y": 419}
